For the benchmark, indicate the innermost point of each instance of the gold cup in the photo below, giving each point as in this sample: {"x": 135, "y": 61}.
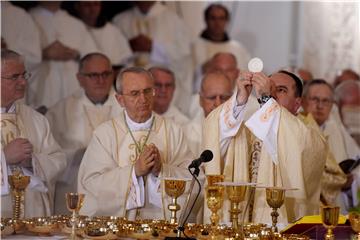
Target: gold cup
{"x": 214, "y": 200}
{"x": 275, "y": 198}
{"x": 330, "y": 218}
{"x": 18, "y": 184}
{"x": 212, "y": 179}
{"x": 236, "y": 195}
{"x": 74, "y": 202}
{"x": 174, "y": 188}
{"x": 354, "y": 218}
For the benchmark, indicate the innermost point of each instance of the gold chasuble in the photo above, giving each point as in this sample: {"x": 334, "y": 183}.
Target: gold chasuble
{"x": 105, "y": 174}
{"x": 47, "y": 160}
{"x": 301, "y": 154}
{"x": 333, "y": 177}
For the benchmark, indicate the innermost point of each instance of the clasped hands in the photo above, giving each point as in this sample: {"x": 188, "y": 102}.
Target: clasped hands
{"x": 248, "y": 80}
{"x": 149, "y": 161}
{"x": 19, "y": 152}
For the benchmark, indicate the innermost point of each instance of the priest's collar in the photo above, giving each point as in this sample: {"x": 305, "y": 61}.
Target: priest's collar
{"x": 134, "y": 126}
{"x": 12, "y": 109}
{"x": 205, "y": 35}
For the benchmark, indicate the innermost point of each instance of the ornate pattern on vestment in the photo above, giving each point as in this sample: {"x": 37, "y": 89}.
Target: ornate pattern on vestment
{"x": 253, "y": 170}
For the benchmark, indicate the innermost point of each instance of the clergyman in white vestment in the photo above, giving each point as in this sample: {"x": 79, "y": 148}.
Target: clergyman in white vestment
{"x": 74, "y": 118}
{"x": 164, "y": 92}
{"x": 64, "y": 39}
{"x": 271, "y": 146}
{"x": 157, "y": 35}
{"x": 216, "y": 88}
{"x": 122, "y": 166}
{"x": 27, "y": 145}
{"x": 107, "y": 37}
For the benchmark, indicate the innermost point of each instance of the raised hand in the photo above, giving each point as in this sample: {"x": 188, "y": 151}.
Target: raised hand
{"x": 244, "y": 87}
{"x": 262, "y": 84}
{"x": 18, "y": 151}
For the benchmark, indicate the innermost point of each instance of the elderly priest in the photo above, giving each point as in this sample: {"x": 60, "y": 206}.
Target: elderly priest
{"x": 122, "y": 167}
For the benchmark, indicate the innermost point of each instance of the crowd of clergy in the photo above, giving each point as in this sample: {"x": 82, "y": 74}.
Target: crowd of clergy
{"x": 109, "y": 109}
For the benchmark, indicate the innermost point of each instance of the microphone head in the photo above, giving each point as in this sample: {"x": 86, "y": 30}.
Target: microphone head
{"x": 206, "y": 156}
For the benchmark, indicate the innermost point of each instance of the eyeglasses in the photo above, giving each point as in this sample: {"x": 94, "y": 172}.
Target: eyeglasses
{"x": 18, "y": 76}
{"x": 325, "y": 101}
{"x": 136, "y": 93}
{"x": 224, "y": 97}
{"x": 166, "y": 86}
{"x": 96, "y": 76}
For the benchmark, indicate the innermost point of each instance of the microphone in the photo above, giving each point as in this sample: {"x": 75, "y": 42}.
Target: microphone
{"x": 206, "y": 156}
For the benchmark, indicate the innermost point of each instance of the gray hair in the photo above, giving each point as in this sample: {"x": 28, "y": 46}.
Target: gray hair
{"x": 136, "y": 70}
{"x": 316, "y": 82}
{"x": 343, "y": 88}
{"x": 162, "y": 69}
{"x": 89, "y": 56}
{"x": 7, "y": 55}
{"x": 227, "y": 54}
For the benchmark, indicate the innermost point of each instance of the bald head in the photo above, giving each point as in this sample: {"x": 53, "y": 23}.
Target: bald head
{"x": 216, "y": 88}
{"x": 225, "y": 62}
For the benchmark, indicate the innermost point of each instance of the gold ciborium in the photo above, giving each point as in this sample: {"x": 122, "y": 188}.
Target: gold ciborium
{"x": 174, "y": 188}
{"x": 329, "y": 218}
{"x": 18, "y": 184}
{"x": 74, "y": 202}
{"x": 354, "y": 218}
{"x": 275, "y": 198}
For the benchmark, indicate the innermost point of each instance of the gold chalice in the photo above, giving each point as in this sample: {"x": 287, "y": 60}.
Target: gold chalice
{"x": 354, "y": 218}
{"x": 74, "y": 202}
{"x": 275, "y": 198}
{"x": 214, "y": 200}
{"x": 212, "y": 179}
{"x": 18, "y": 184}
{"x": 330, "y": 218}
{"x": 174, "y": 188}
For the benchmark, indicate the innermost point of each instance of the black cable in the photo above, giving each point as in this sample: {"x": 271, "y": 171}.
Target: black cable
{"x": 182, "y": 228}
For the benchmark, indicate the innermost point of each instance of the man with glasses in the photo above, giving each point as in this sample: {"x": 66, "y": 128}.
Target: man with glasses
{"x": 74, "y": 118}
{"x": 216, "y": 88}
{"x": 27, "y": 145}
{"x": 318, "y": 100}
{"x": 164, "y": 91}
{"x": 128, "y": 155}
{"x": 270, "y": 146}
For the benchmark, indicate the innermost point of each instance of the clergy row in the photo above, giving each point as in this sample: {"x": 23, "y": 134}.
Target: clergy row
{"x": 52, "y": 42}
{"x": 115, "y": 148}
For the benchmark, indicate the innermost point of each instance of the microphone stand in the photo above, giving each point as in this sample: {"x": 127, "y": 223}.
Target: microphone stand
{"x": 181, "y": 227}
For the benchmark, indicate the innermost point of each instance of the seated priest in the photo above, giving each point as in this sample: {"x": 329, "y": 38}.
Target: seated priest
{"x": 74, "y": 118}
{"x": 164, "y": 91}
{"x": 27, "y": 145}
{"x": 127, "y": 156}
{"x": 318, "y": 100}
{"x": 215, "y": 89}
{"x": 271, "y": 147}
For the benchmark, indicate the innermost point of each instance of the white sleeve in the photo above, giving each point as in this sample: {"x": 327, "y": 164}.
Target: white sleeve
{"x": 264, "y": 124}
{"x": 136, "y": 197}
{"x": 231, "y": 117}
{"x": 4, "y": 175}
{"x": 154, "y": 190}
